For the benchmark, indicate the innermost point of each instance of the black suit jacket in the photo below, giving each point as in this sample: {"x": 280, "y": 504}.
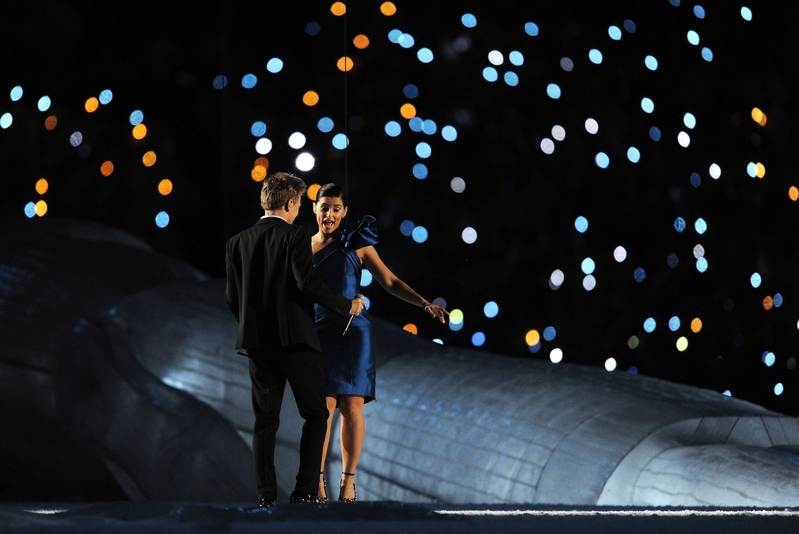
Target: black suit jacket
{"x": 272, "y": 285}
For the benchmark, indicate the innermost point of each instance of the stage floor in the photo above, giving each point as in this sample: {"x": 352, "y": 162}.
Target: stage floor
{"x": 385, "y": 517}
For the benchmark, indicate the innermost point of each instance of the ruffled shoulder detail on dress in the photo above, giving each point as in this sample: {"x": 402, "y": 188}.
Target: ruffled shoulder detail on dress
{"x": 363, "y": 234}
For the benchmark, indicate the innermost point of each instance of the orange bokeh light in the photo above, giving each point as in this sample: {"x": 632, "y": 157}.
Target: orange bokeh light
{"x": 532, "y": 338}
{"x": 42, "y": 186}
{"x": 761, "y": 170}
{"x": 361, "y": 41}
{"x": 310, "y": 98}
{"x": 107, "y": 168}
{"x": 148, "y": 158}
{"x": 51, "y": 122}
{"x": 793, "y": 192}
{"x": 165, "y": 186}
{"x": 696, "y": 325}
{"x": 92, "y": 104}
{"x": 388, "y": 8}
{"x": 139, "y": 131}
{"x": 410, "y": 327}
{"x": 338, "y": 8}
{"x": 408, "y": 111}
{"x": 759, "y": 117}
{"x": 313, "y": 189}
{"x": 258, "y": 173}
{"x": 768, "y": 303}
{"x": 41, "y": 208}
{"x": 344, "y": 64}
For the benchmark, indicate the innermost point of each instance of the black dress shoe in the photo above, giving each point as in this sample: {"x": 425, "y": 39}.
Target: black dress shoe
{"x": 263, "y": 503}
{"x": 299, "y": 497}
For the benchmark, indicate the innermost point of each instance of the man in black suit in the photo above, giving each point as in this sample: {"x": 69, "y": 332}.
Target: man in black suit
{"x": 271, "y": 288}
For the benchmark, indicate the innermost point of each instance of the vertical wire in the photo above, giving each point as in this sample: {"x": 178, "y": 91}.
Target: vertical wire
{"x": 346, "y": 133}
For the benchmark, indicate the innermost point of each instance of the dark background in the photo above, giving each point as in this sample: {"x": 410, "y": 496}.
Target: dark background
{"x": 162, "y": 57}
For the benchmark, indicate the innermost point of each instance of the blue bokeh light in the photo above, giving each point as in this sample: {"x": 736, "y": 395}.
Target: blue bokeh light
{"x": 779, "y": 389}
{"x": 16, "y": 93}
{"x": 106, "y": 96}
{"x": 531, "y": 29}
{"x": 416, "y": 124}
{"x": 693, "y": 37}
{"x": 553, "y": 91}
{"x": 469, "y": 20}
{"x": 420, "y": 171}
{"x": 778, "y": 300}
{"x": 490, "y": 74}
{"x": 701, "y": 264}
{"x": 249, "y": 81}
{"x": 406, "y": 228}
{"x": 588, "y": 265}
{"x": 699, "y": 11}
{"x": 746, "y": 14}
{"x": 220, "y": 82}
{"x": 654, "y": 133}
{"x": 258, "y": 128}
{"x": 340, "y": 141}
{"x": 595, "y": 56}
{"x": 410, "y": 91}
{"x": 491, "y": 309}
{"x": 394, "y": 36}
{"x": 700, "y": 226}
{"x": 449, "y": 133}
{"x": 136, "y": 117}
{"x": 6, "y": 120}
{"x": 423, "y": 150}
{"x": 44, "y": 103}
{"x": 162, "y": 219}
{"x": 633, "y": 154}
{"x": 30, "y": 210}
{"x": 366, "y": 277}
{"x": 649, "y": 325}
{"x": 689, "y": 120}
{"x": 313, "y": 28}
{"x": 672, "y": 261}
{"x": 478, "y": 339}
{"x": 511, "y": 78}
{"x": 274, "y": 65}
{"x": 325, "y": 124}
{"x": 674, "y": 323}
{"x": 679, "y": 224}
{"x": 639, "y": 275}
{"x": 614, "y": 32}
{"x": 647, "y": 105}
{"x": 695, "y": 179}
{"x": 425, "y": 55}
{"x": 429, "y": 126}
{"x": 406, "y": 40}
{"x": 550, "y": 333}
{"x": 651, "y": 63}
{"x": 602, "y": 160}
{"x": 755, "y": 280}
{"x": 581, "y": 224}
{"x": 516, "y": 58}
{"x": 393, "y": 128}
{"x": 419, "y": 234}
{"x": 707, "y": 54}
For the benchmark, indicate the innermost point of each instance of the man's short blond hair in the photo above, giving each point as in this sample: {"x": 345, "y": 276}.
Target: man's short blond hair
{"x": 279, "y": 188}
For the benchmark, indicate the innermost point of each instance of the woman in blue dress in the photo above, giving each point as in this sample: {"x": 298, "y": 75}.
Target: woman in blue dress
{"x": 349, "y": 359}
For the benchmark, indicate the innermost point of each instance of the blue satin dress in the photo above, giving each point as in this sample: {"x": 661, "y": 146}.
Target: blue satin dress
{"x": 349, "y": 360}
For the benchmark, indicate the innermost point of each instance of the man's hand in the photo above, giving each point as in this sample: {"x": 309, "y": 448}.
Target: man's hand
{"x": 358, "y": 304}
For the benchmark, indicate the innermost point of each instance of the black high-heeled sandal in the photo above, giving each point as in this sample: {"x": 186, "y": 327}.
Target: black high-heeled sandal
{"x": 341, "y": 497}
{"x": 323, "y": 500}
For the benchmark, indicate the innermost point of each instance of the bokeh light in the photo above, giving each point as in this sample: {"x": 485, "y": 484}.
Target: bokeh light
{"x": 361, "y": 41}
{"x": 49, "y": 123}
{"x": 42, "y": 186}
{"x": 556, "y": 355}
{"x": 469, "y": 235}
{"x": 274, "y": 65}
{"x": 478, "y": 339}
{"x": 491, "y": 309}
{"x": 655, "y": 134}
{"x": 338, "y": 8}
{"x": 696, "y": 325}
{"x": 388, "y": 8}
{"x": 107, "y": 168}
{"x": 139, "y": 131}
{"x": 149, "y": 158}
{"x": 556, "y": 279}
{"x": 610, "y": 364}
{"x": 411, "y": 328}
{"x": 41, "y": 208}
{"x": 165, "y": 186}
{"x": 619, "y": 254}
{"x": 344, "y": 64}
{"x": 408, "y": 111}
{"x": 162, "y": 219}
{"x": 91, "y": 105}
{"x": 682, "y": 344}
{"x": 310, "y": 98}
{"x": 532, "y": 337}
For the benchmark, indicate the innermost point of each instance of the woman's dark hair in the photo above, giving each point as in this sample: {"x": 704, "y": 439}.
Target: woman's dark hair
{"x": 332, "y": 190}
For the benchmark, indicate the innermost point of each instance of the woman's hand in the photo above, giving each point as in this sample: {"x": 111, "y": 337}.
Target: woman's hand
{"x": 436, "y": 311}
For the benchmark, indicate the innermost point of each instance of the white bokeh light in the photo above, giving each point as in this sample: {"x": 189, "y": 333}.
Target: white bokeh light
{"x": 547, "y": 145}
{"x": 556, "y": 355}
{"x": 558, "y": 133}
{"x": 296, "y": 140}
{"x": 610, "y": 364}
{"x": 263, "y": 146}
{"x": 715, "y": 171}
{"x": 589, "y": 282}
{"x": 591, "y": 126}
{"x": 469, "y": 235}
{"x": 684, "y": 139}
{"x": 620, "y": 254}
{"x": 305, "y": 162}
{"x": 495, "y": 57}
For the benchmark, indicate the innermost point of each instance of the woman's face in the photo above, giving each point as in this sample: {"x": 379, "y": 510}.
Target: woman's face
{"x": 329, "y": 212}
